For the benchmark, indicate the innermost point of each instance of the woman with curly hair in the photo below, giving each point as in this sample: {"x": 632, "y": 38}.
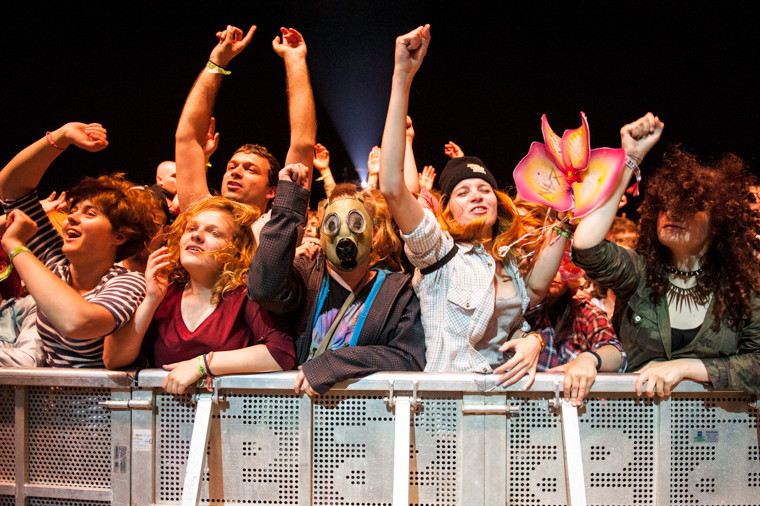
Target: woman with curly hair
{"x": 686, "y": 303}
{"x": 472, "y": 292}
{"x": 82, "y": 296}
{"x": 196, "y": 312}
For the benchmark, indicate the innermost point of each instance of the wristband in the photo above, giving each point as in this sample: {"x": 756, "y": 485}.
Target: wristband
{"x": 539, "y": 337}
{"x": 216, "y": 69}
{"x": 16, "y": 251}
{"x": 561, "y": 231}
{"x": 207, "y": 361}
{"x": 631, "y": 164}
{"x": 49, "y": 137}
{"x": 598, "y": 360}
{"x": 209, "y": 376}
{"x": 201, "y": 366}
{"x": 7, "y": 272}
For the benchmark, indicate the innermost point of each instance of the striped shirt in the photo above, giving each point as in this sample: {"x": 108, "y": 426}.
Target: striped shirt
{"x": 120, "y": 291}
{"x": 456, "y": 300}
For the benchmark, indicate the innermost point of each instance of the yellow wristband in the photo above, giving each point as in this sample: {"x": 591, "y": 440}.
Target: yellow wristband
{"x": 201, "y": 366}
{"x": 216, "y": 69}
{"x": 16, "y": 251}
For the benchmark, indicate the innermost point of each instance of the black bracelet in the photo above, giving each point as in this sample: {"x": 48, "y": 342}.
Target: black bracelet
{"x": 598, "y": 360}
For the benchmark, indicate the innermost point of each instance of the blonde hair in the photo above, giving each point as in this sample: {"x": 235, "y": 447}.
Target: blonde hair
{"x": 233, "y": 260}
{"x": 386, "y": 245}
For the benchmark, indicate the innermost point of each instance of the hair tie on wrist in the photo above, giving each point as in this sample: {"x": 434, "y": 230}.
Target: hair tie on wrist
{"x": 216, "y": 69}
{"x": 598, "y": 360}
{"x": 49, "y": 137}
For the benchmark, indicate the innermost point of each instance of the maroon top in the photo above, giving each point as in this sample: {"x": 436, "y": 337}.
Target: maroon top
{"x": 237, "y": 322}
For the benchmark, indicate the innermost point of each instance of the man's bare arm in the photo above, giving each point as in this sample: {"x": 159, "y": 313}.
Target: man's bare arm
{"x": 291, "y": 47}
{"x": 193, "y": 126}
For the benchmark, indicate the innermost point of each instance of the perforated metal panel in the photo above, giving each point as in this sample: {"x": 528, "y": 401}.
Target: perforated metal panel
{"x": 174, "y": 426}
{"x": 41, "y": 501}
{"x": 353, "y": 451}
{"x": 435, "y": 474}
{"x": 7, "y": 500}
{"x": 617, "y": 441}
{"x": 69, "y": 437}
{"x": 254, "y": 438}
{"x": 535, "y": 470}
{"x": 7, "y": 434}
{"x": 714, "y": 453}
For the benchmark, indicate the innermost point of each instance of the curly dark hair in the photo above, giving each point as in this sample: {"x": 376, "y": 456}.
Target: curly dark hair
{"x": 686, "y": 185}
{"x": 133, "y": 212}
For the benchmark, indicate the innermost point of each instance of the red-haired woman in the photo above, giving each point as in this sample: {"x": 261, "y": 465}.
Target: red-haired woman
{"x": 196, "y": 314}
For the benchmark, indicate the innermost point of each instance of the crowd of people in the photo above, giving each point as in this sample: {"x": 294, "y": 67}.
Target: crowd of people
{"x": 409, "y": 273}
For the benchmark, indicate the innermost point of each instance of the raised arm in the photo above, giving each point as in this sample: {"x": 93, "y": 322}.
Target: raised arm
{"x": 194, "y": 122}
{"x": 303, "y": 118}
{"x": 273, "y": 280}
{"x": 122, "y": 347}
{"x": 373, "y": 168}
{"x": 410, "y": 51}
{"x": 636, "y": 139}
{"x": 24, "y": 171}
{"x": 452, "y": 150}
{"x": 411, "y": 179}
{"x": 545, "y": 266}
{"x": 322, "y": 164}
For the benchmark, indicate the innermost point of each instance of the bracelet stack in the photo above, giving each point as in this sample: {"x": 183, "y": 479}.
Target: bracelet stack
{"x": 205, "y": 370}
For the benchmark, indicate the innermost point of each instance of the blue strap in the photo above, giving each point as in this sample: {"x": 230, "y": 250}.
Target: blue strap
{"x": 321, "y": 298}
{"x": 365, "y": 309}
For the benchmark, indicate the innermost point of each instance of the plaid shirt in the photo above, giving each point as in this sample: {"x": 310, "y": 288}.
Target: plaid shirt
{"x": 456, "y": 300}
{"x": 592, "y": 329}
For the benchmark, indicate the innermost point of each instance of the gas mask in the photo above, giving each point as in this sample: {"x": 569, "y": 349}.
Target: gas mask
{"x": 346, "y": 233}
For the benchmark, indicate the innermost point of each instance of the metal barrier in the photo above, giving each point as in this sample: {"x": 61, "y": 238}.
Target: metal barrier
{"x": 70, "y": 437}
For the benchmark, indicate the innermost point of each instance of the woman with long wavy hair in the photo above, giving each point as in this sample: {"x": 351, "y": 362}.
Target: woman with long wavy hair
{"x": 468, "y": 275}
{"x": 687, "y": 305}
{"x": 196, "y": 311}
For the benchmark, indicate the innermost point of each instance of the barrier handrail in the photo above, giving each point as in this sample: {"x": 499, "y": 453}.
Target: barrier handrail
{"x": 430, "y": 382}
{"x": 64, "y": 376}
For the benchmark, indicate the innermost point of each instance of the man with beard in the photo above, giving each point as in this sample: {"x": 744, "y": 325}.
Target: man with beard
{"x": 251, "y": 173}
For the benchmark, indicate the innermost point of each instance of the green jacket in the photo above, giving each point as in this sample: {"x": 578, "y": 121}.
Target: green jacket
{"x": 731, "y": 357}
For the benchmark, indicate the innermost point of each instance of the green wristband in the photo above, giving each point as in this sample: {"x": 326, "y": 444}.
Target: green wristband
{"x": 201, "y": 367}
{"x": 16, "y": 251}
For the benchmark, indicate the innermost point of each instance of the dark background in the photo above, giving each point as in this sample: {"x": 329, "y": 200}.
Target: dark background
{"x": 491, "y": 71}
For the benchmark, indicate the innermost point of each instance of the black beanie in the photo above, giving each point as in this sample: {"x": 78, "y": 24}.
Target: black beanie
{"x": 464, "y": 167}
